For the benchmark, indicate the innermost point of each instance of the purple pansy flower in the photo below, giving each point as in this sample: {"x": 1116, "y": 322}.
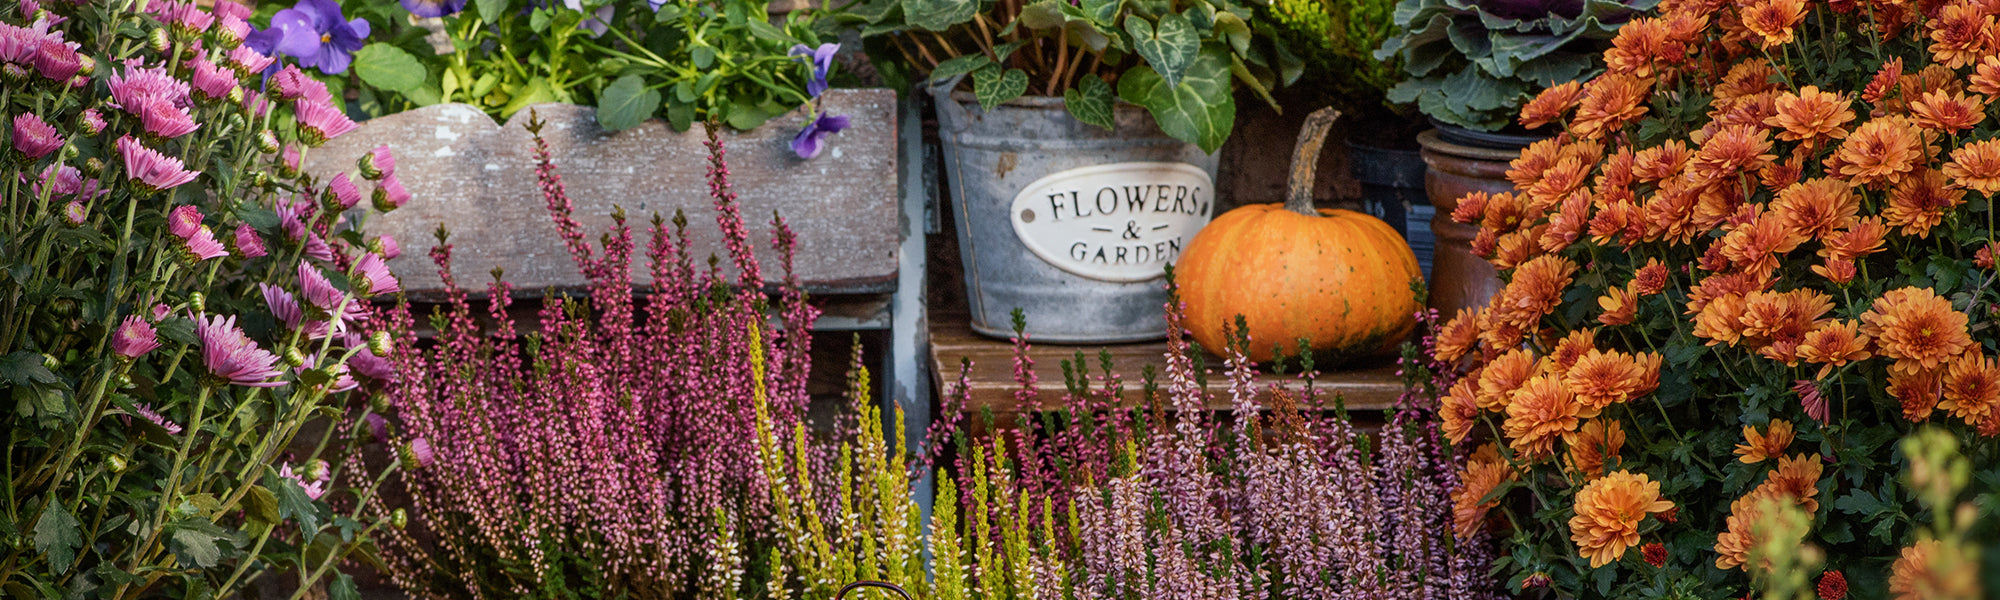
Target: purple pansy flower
{"x": 315, "y": 33}
{"x": 811, "y": 140}
{"x": 433, "y": 8}
{"x": 821, "y": 60}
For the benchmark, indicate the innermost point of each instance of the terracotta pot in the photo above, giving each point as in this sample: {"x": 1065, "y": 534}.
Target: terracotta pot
{"x": 1459, "y": 279}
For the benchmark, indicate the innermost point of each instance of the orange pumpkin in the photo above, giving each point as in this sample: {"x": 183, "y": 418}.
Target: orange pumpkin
{"x": 1339, "y": 279}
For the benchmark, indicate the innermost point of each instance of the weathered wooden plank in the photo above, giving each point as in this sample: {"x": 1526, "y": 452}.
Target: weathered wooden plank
{"x": 1367, "y": 387}
{"x": 478, "y": 178}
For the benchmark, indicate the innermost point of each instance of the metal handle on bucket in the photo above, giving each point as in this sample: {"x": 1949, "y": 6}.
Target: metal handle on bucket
{"x": 841, "y": 595}
{"x": 1305, "y": 160}
{"x": 955, "y": 118}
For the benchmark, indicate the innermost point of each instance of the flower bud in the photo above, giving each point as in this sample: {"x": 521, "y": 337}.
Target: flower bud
{"x": 124, "y": 381}
{"x": 117, "y": 463}
{"x": 13, "y": 73}
{"x": 89, "y": 65}
{"x": 378, "y": 402}
{"x": 267, "y": 141}
{"x": 417, "y": 454}
{"x": 74, "y": 214}
{"x": 399, "y": 518}
{"x": 367, "y": 166}
{"x": 381, "y": 344}
{"x": 198, "y": 302}
{"x": 93, "y": 166}
{"x": 160, "y": 40}
{"x": 261, "y": 179}
{"x": 293, "y": 357}
{"x": 50, "y": 362}
{"x": 92, "y": 121}
{"x": 317, "y": 470}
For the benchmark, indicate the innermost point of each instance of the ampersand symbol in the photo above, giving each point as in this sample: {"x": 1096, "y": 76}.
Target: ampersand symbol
{"x": 1131, "y": 230}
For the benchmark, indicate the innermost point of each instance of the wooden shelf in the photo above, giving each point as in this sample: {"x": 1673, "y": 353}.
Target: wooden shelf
{"x": 1367, "y": 387}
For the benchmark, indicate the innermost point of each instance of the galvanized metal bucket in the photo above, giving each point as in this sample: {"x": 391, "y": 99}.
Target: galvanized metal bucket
{"x": 1060, "y": 257}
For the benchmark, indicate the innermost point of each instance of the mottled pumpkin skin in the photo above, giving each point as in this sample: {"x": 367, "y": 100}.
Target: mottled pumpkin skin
{"x": 1341, "y": 281}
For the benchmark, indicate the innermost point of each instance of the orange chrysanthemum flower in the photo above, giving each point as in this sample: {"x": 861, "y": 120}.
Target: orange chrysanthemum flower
{"x": 1733, "y": 544}
{"x": 1608, "y": 513}
{"x": 1497, "y": 334}
{"x": 1961, "y": 33}
{"x": 1746, "y": 78}
{"x": 1777, "y": 321}
{"x": 1620, "y": 221}
{"x": 1985, "y": 78}
{"x": 1661, "y": 162}
{"x": 1759, "y": 447}
{"x": 1540, "y": 412}
{"x": 1504, "y": 213}
{"x": 1914, "y": 577}
{"x": 1835, "y": 343}
{"x": 1470, "y": 208}
{"x": 1758, "y": 246}
{"x": 1457, "y": 411}
{"x": 1837, "y": 270}
{"x": 1605, "y": 377}
{"x": 1812, "y": 114}
{"x": 1879, "y": 151}
{"x": 1551, "y": 104}
{"x": 1816, "y": 208}
{"x": 1917, "y": 392}
{"x": 1568, "y": 223}
{"x": 1513, "y": 249}
{"x": 1984, "y": 257}
{"x": 1609, "y": 102}
{"x": 1976, "y": 166}
{"x": 1456, "y": 338}
{"x": 1571, "y": 348}
{"x": 1861, "y": 239}
{"x": 1796, "y": 479}
{"x": 1774, "y": 20}
{"x": 1720, "y": 321}
{"x": 1649, "y": 279}
{"x": 1884, "y": 81}
{"x": 1735, "y": 149}
{"x": 1536, "y": 289}
{"x": 1940, "y": 110}
{"x": 1557, "y": 182}
{"x": 1920, "y": 201}
{"x": 1594, "y": 447}
{"x": 1620, "y": 307}
{"x": 1503, "y": 375}
{"x": 1971, "y": 388}
{"x": 1916, "y": 328}
{"x": 1484, "y": 472}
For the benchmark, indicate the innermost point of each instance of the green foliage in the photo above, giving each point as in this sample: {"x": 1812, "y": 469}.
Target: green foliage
{"x": 690, "y": 60}
{"x": 1467, "y": 65}
{"x": 1335, "y": 42}
{"x": 1193, "y": 54}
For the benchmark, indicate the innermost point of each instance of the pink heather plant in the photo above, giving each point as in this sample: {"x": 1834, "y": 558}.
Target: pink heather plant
{"x": 142, "y": 357}
{"x": 610, "y": 451}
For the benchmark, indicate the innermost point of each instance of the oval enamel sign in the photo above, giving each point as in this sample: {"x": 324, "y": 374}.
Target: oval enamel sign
{"x": 1122, "y": 222}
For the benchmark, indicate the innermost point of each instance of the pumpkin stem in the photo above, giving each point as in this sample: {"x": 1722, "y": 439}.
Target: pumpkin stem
{"x": 1305, "y": 160}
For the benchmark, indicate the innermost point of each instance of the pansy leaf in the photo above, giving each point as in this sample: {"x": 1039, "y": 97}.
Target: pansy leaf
{"x": 626, "y": 103}
{"x": 1090, "y": 101}
{"x": 388, "y": 67}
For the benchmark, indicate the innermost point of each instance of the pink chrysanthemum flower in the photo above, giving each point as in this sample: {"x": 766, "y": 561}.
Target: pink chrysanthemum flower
{"x": 378, "y": 426}
{"x": 342, "y": 381}
{"x": 227, "y": 8}
{"x": 212, "y": 83}
{"x": 283, "y": 306}
{"x": 366, "y": 363}
{"x": 203, "y": 245}
{"x": 187, "y": 19}
{"x": 313, "y": 490}
{"x": 341, "y": 193}
{"x": 153, "y": 171}
{"x": 134, "y": 338}
{"x": 317, "y": 249}
{"x": 161, "y": 118}
{"x": 233, "y": 358}
{"x": 60, "y": 179}
{"x": 319, "y": 122}
{"x": 318, "y": 291}
{"x": 18, "y": 46}
{"x": 290, "y": 83}
{"x": 230, "y": 31}
{"x": 1811, "y": 399}
{"x": 246, "y": 62}
{"x": 75, "y": 213}
{"x": 386, "y": 246}
{"x": 248, "y": 243}
{"x": 378, "y": 163}
{"x": 140, "y": 82}
{"x": 147, "y": 413}
{"x": 288, "y": 161}
{"x": 57, "y": 60}
{"x": 161, "y": 311}
{"x": 371, "y": 277}
{"x": 183, "y": 221}
{"x": 93, "y": 121}
{"x": 34, "y": 137}
{"x": 390, "y": 195}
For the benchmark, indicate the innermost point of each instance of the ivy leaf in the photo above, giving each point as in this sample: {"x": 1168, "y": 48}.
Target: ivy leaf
{"x": 626, "y": 103}
{"x": 1090, "y": 101}
{"x": 388, "y": 67}
{"x": 1200, "y": 110}
{"x": 959, "y": 66}
{"x": 993, "y": 86}
{"x": 57, "y": 535}
{"x": 1169, "y": 48}
{"x": 293, "y": 503}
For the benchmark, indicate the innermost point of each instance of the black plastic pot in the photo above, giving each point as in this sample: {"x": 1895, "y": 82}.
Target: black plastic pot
{"x": 1392, "y": 188}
